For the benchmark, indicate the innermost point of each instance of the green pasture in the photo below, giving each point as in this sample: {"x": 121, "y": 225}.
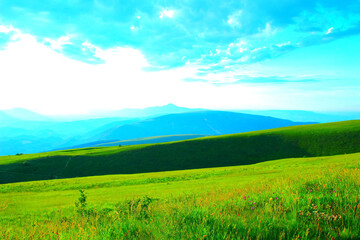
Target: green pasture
{"x": 312, "y": 195}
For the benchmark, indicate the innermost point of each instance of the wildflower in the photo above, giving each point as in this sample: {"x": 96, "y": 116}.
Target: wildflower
{"x": 252, "y": 208}
{"x": 275, "y": 198}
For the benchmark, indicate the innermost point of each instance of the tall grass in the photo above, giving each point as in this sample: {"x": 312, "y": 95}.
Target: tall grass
{"x": 322, "y": 205}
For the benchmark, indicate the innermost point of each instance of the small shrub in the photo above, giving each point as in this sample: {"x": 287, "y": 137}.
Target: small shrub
{"x": 81, "y": 203}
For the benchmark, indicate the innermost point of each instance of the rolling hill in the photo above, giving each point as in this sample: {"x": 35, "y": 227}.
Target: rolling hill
{"x": 226, "y": 150}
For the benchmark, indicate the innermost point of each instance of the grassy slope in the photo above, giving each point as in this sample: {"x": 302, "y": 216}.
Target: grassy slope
{"x": 49, "y": 194}
{"x": 307, "y": 198}
{"x": 226, "y": 150}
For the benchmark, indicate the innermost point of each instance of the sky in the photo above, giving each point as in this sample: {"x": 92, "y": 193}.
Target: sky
{"x": 76, "y": 57}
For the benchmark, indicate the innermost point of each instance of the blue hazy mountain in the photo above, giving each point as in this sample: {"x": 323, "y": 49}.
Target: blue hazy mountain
{"x": 22, "y": 114}
{"x": 19, "y": 136}
{"x": 305, "y": 116}
{"x": 202, "y": 122}
{"x": 6, "y": 120}
{"x": 131, "y": 113}
{"x": 151, "y": 111}
{"x": 25, "y": 131}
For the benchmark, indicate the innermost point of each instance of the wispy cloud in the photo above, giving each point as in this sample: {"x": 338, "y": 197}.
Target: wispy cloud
{"x": 196, "y": 29}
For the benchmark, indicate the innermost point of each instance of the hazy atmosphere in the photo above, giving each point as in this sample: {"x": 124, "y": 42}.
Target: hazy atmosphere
{"x": 74, "y": 57}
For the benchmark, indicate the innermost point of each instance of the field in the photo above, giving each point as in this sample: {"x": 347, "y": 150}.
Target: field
{"x": 297, "y": 198}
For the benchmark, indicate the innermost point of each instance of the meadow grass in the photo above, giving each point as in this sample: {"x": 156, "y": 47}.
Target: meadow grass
{"x": 299, "y": 198}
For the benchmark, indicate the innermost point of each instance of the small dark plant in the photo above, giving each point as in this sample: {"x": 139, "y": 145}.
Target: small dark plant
{"x": 81, "y": 203}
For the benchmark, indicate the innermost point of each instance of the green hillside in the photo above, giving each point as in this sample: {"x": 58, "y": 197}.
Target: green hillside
{"x": 226, "y": 150}
{"x": 298, "y": 198}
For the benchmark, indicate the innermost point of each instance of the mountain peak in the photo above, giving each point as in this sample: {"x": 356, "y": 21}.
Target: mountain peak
{"x": 170, "y": 105}
{"x": 25, "y": 114}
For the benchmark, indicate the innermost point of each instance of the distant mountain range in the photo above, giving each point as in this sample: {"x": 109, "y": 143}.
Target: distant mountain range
{"x": 23, "y": 131}
{"x": 306, "y": 116}
{"x": 202, "y": 122}
{"x": 20, "y": 114}
{"x": 131, "y": 113}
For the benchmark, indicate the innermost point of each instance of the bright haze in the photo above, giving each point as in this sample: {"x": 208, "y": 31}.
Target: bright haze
{"x": 75, "y": 57}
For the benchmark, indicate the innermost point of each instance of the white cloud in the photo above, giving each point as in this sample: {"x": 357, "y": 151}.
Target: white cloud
{"x": 268, "y": 30}
{"x": 330, "y": 30}
{"x": 234, "y": 19}
{"x": 57, "y": 44}
{"x": 258, "y": 49}
{"x": 167, "y": 13}
{"x": 134, "y": 28}
{"x": 284, "y": 44}
{"x": 6, "y": 29}
{"x": 37, "y": 77}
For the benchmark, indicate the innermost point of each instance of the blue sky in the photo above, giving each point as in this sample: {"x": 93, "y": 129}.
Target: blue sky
{"x": 78, "y": 56}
